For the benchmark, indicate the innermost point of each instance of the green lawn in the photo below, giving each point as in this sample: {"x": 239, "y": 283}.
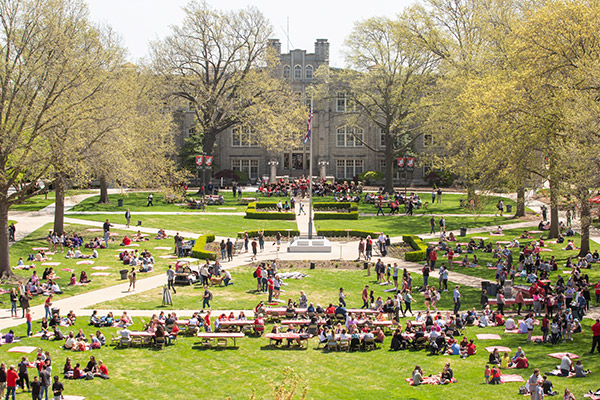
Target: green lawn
{"x": 450, "y": 205}
{"x": 559, "y": 254}
{"x": 137, "y": 201}
{"x": 221, "y": 225}
{"x": 407, "y": 225}
{"x": 106, "y": 258}
{"x": 321, "y": 287}
{"x": 40, "y": 201}
{"x": 254, "y": 367}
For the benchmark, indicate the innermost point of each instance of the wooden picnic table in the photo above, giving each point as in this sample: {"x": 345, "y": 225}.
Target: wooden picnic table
{"x": 208, "y": 336}
{"x": 361, "y": 310}
{"x": 236, "y": 325}
{"x": 510, "y": 302}
{"x": 145, "y": 338}
{"x": 300, "y": 322}
{"x": 283, "y": 310}
{"x": 287, "y": 336}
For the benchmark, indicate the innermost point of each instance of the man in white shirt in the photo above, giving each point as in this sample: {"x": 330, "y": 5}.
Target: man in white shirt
{"x": 565, "y": 365}
{"x": 510, "y": 324}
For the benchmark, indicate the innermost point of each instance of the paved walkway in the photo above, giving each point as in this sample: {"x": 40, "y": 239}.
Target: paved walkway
{"x": 78, "y": 303}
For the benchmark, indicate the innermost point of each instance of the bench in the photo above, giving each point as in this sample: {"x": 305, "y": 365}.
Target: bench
{"x": 207, "y": 338}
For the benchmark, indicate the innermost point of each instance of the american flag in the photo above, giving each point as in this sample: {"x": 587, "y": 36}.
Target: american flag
{"x": 308, "y": 127}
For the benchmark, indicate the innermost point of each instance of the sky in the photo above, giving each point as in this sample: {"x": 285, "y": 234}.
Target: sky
{"x": 139, "y": 22}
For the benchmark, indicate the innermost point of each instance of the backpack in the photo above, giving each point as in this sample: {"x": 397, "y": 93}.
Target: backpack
{"x": 255, "y": 274}
{"x": 523, "y": 390}
{"x": 210, "y": 295}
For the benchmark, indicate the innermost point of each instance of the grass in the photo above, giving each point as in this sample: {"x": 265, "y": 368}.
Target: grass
{"x": 559, "y": 254}
{"x": 405, "y": 225}
{"x": 137, "y": 201}
{"x": 106, "y": 258}
{"x": 221, "y": 225}
{"x": 321, "y": 287}
{"x": 253, "y": 367}
{"x": 40, "y": 201}
{"x": 450, "y": 205}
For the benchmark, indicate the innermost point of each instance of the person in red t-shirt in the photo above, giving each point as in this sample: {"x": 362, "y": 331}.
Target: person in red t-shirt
{"x": 521, "y": 362}
{"x": 471, "y": 348}
{"x": 596, "y": 338}
{"x": 11, "y": 382}
{"x": 47, "y": 305}
{"x": 102, "y": 370}
{"x": 597, "y": 287}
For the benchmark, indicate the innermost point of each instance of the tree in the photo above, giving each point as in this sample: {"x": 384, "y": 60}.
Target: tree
{"x": 48, "y": 51}
{"x": 217, "y": 64}
{"x": 390, "y": 73}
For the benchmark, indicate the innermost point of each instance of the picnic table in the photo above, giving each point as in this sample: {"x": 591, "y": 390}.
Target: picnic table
{"x": 361, "y": 310}
{"x": 510, "y": 302}
{"x": 142, "y": 338}
{"x": 278, "y": 311}
{"x": 287, "y": 336}
{"x": 235, "y": 326}
{"x": 222, "y": 337}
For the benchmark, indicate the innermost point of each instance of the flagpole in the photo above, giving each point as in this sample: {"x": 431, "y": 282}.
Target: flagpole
{"x": 310, "y": 169}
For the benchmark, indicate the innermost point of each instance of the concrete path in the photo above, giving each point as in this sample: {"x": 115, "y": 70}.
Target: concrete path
{"x": 134, "y": 213}
{"x": 302, "y": 220}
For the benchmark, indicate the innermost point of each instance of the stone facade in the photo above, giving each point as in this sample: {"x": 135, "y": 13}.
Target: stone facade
{"x": 336, "y": 152}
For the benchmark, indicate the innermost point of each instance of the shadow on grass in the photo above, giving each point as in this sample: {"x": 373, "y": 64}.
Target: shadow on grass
{"x": 283, "y": 347}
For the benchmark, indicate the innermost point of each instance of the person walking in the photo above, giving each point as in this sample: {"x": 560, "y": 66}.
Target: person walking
{"x": 365, "y": 297}
{"x": 229, "y": 246}
{"x": 457, "y": 297}
{"x": 206, "y": 298}
{"x": 171, "y": 279}
{"x": 534, "y": 385}
{"x": 132, "y": 278}
{"x": 150, "y": 200}
{"x": 301, "y": 208}
{"x": 11, "y": 382}
{"x": 127, "y": 217}
{"x": 11, "y": 232}
{"x": 261, "y": 239}
{"x": 254, "y": 246}
{"x": 380, "y": 208}
{"x": 106, "y": 227}
{"x": 47, "y": 305}
{"x": 57, "y": 388}
{"x": 596, "y": 336}
{"x": 432, "y": 225}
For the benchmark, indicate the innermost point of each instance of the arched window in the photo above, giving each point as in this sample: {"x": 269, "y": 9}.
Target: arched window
{"x": 297, "y": 72}
{"x": 308, "y": 72}
{"x": 286, "y": 72}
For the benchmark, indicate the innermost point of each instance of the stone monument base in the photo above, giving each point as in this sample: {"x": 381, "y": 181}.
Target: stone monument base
{"x": 302, "y": 244}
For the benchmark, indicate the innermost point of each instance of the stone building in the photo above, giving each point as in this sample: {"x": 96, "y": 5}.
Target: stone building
{"x": 337, "y": 152}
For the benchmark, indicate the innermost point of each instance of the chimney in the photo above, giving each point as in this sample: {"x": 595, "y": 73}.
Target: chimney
{"x": 275, "y": 44}
{"x": 322, "y": 50}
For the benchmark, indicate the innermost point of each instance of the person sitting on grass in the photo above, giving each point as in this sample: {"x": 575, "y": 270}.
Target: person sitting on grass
{"x": 447, "y": 375}
{"x": 126, "y": 241}
{"x": 496, "y": 375}
{"x": 494, "y": 357}
{"x": 417, "y": 376}
{"x": 579, "y": 371}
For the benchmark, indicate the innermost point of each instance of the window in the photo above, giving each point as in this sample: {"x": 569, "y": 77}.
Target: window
{"x": 348, "y": 169}
{"x": 427, "y": 140}
{"x": 308, "y": 72}
{"x": 382, "y": 139}
{"x": 243, "y": 136}
{"x": 427, "y": 167}
{"x": 286, "y": 72}
{"x": 250, "y": 167}
{"x": 344, "y": 102}
{"x": 297, "y": 72}
{"x": 348, "y": 136}
{"x": 191, "y": 131}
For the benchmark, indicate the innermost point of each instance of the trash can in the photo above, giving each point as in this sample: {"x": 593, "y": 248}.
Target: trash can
{"x": 124, "y": 273}
{"x": 365, "y": 265}
{"x": 55, "y": 311}
{"x": 463, "y": 231}
{"x": 120, "y": 202}
{"x": 492, "y": 290}
{"x": 509, "y": 208}
{"x": 312, "y": 265}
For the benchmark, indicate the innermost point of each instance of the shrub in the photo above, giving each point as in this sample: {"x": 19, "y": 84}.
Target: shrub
{"x": 419, "y": 248}
{"x": 343, "y": 233}
{"x": 198, "y": 249}
{"x": 270, "y": 232}
{"x": 371, "y": 176}
{"x": 439, "y": 177}
{"x": 342, "y": 210}
{"x": 252, "y": 213}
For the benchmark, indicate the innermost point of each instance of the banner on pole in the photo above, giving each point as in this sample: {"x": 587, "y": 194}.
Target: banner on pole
{"x": 410, "y": 163}
{"x": 400, "y": 162}
{"x": 199, "y": 160}
{"x": 208, "y": 160}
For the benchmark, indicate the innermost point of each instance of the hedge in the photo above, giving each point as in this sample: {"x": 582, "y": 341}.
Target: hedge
{"x": 334, "y": 215}
{"x": 251, "y": 212}
{"x": 351, "y": 233}
{"x": 419, "y": 247}
{"x": 350, "y": 210}
{"x": 270, "y": 232}
{"x": 198, "y": 249}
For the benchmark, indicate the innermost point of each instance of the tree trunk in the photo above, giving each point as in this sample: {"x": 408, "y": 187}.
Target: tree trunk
{"x": 520, "y": 201}
{"x": 553, "y": 209}
{"x": 585, "y": 223}
{"x": 59, "y": 210}
{"x": 389, "y": 163}
{"x": 5, "y": 270}
{"x": 103, "y": 191}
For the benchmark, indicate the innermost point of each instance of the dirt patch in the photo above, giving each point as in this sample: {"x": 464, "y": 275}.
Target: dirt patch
{"x": 398, "y": 250}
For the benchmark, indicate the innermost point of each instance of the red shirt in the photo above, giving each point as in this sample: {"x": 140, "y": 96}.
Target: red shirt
{"x": 11, "y": 378}
{"x": 597, "y": 287}
{"x": 433, "y": 256}
{"x": 471, "y": 348}
{"x": 596, "y": 329}
{"x": 48, "y": 302}
{"x": 521, "y": 362}
{"x": 104, "y": 369}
